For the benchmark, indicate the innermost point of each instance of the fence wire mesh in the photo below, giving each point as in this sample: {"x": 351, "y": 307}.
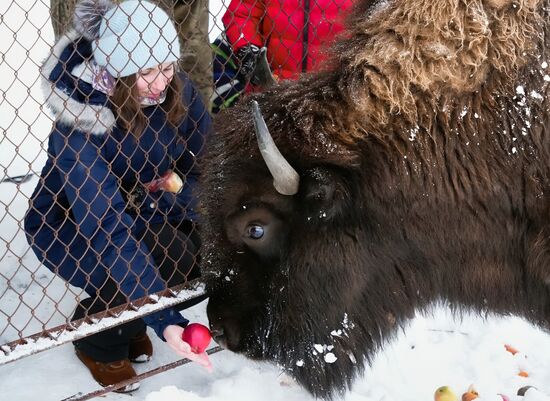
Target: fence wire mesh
{"x": 41, "y": 235}
{"x": 85, "y": 203}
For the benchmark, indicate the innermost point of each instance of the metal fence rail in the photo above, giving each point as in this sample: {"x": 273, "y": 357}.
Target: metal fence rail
{"x": 94, "y": 323}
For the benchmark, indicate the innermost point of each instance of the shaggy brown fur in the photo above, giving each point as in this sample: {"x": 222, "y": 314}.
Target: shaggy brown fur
{"x": 443, "y": 47}
{"x": 424, "y": 157}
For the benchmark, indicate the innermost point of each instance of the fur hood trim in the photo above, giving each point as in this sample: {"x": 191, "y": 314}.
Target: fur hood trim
{"x": 95, "y": 119}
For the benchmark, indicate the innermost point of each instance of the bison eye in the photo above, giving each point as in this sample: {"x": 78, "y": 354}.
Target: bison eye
{"x": 255, "y": 231}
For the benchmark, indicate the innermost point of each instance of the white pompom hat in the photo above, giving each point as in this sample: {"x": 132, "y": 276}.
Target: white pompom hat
{"x": 127, "y": 37}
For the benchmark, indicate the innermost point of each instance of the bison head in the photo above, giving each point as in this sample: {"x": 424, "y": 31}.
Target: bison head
{"x": 285, "y": 258}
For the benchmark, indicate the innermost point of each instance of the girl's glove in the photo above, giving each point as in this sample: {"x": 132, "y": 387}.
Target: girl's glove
{"x": 248, "y": 57}
{"x": 172, "y": 334}
{"x": 255, "y": 67}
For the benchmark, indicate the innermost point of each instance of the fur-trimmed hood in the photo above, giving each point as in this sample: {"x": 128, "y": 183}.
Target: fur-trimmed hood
{"x": 67, "y": 88}
{"x": 66, "y": 75}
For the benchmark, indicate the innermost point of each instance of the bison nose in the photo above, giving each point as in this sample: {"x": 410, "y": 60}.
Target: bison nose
{"x": 227, "y": 334}
{"x": 224, "y": 325}
{"x": 218, "y": 334}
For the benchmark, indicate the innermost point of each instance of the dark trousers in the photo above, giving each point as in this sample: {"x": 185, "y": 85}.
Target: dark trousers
{"x": 175, "y": 251}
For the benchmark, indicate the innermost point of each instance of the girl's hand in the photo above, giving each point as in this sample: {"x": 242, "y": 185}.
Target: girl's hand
{"x": 172, "y": 335}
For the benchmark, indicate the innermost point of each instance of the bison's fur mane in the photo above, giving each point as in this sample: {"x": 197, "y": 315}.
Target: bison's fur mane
{"x": 439, "y": 109}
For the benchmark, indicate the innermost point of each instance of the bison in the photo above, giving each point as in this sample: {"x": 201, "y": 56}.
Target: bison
{"x": 414, "y": 170}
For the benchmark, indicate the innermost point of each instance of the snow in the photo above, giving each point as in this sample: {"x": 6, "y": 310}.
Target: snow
{"x": 520, "y": 90}
{"x": 435, "y": 350}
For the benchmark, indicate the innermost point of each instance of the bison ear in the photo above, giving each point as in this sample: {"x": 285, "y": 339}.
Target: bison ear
{"x": 325, "y": 192}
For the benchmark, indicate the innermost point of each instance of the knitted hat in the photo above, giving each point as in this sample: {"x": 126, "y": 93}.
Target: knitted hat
{"x": 127, "y": 37}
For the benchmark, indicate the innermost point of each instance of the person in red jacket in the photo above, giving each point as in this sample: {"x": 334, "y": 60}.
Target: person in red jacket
{"x": 295, "y": 32}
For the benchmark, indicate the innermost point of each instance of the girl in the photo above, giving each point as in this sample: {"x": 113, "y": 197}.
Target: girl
{"x": 113, "y": 212}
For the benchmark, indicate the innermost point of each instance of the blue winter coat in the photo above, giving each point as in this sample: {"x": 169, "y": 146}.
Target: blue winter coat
{"x": 78, "y": 223}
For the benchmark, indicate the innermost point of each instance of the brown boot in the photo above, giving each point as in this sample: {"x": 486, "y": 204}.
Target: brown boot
{"x": 141, "y": 349}
{"x": 107, "y": 373}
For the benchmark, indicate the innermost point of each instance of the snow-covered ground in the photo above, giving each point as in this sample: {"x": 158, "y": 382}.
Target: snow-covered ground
{"x": 435, "y": 350}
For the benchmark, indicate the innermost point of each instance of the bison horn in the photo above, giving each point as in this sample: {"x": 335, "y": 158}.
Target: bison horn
{"x": 285, "y": 179}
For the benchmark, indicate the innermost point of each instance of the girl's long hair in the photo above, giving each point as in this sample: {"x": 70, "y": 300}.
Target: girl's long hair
{"x": 130, "y": 116}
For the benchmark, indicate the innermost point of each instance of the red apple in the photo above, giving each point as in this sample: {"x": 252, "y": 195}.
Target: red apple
{"x": 197, "y": 336}
{"x": 172, "y": 183}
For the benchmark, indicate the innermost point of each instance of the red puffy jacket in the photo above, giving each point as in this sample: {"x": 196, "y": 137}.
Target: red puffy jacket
{"x": 288, "y": 28}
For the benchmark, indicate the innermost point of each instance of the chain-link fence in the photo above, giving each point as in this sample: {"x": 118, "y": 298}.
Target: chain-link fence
{"x": 98, "y": 172}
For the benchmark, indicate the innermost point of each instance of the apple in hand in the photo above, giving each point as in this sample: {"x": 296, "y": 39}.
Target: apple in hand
{"x": 172, "y": 182}
{"x": 197, "y": 336}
